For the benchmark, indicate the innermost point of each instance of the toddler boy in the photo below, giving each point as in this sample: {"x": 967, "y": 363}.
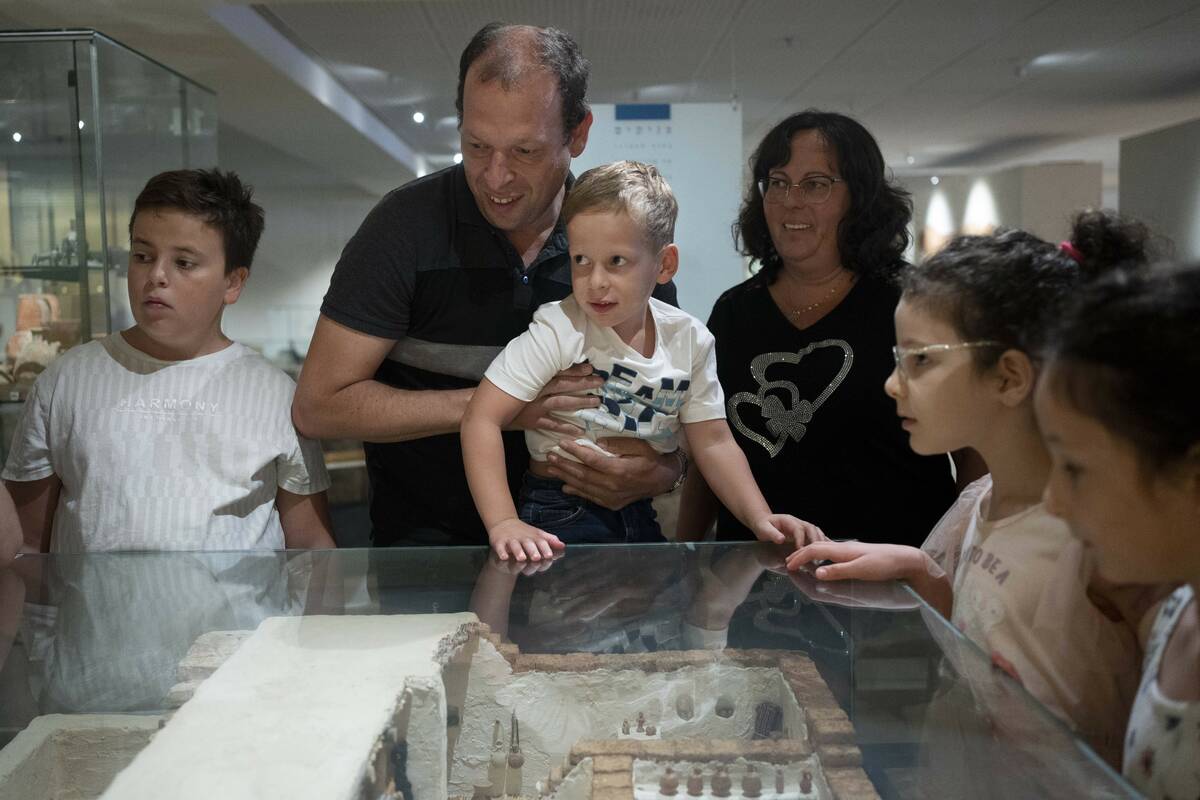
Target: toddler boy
{"x": 168, "y": 435}
{"x": 659, "y": 374}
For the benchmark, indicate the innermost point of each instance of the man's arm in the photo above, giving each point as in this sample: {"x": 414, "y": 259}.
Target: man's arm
{"x": 698, "y": 508}
{"x": 305, "y": 520}
{"x": 35, "y": 503}
{"x": 338, "y": 397}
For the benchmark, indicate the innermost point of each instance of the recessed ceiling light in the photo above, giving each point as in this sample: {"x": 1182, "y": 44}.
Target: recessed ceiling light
{"x": 935, "y": 180}
{"x": 80, "y": 124}
{"x": 418, "y": 117}
{"x": 16, "y": 136}
{"x": 458, "y": 158}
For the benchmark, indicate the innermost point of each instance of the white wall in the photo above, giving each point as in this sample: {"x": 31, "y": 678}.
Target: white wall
{"x": 1039, "y": 198}
{"x": 699, "y": 152}
{"x": 1160, "y": 184}
{"x": 310, "y": 215}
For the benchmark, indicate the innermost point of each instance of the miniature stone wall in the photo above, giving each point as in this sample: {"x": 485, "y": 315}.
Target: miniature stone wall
{"x": 71, "y": 756}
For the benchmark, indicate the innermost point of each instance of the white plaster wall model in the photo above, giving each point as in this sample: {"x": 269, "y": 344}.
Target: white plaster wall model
{"x": 308, "y": 707}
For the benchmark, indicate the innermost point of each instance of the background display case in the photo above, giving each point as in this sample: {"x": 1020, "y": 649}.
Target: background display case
{"x": 615, "y": 662}
{"x": 84, "y": 122}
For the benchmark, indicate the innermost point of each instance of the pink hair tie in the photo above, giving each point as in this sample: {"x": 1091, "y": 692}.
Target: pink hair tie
{"x": 1071, "y": 250}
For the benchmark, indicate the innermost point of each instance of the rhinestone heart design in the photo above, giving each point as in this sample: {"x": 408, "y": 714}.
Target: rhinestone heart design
{"x": 784, "y": 422}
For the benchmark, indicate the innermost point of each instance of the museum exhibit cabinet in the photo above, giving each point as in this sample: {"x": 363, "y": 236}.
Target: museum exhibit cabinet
{"x": 647, "y": 672}
{"x": 84, "y": 122}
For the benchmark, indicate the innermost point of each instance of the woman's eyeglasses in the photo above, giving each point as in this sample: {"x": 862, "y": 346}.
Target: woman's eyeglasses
{"x": 814, "y": 190}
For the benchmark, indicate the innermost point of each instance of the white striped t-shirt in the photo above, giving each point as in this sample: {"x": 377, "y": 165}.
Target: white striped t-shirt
{"x": 164, "y": 455}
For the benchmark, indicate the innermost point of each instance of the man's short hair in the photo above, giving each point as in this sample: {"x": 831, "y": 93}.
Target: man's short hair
{"x": 508, "y": 53}
{"x": 636, "y": 189}
{"x": 218, "y": 198}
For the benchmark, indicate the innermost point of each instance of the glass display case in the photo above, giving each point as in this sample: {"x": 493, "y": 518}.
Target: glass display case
{"x": 611, "y": 672}
{"x": 84, "y": 123}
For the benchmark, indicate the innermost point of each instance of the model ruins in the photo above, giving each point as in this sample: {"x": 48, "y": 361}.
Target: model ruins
{"x": 433, "y": 707}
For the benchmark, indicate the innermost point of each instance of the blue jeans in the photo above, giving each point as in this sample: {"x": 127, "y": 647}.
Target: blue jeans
{"x": 577, "y": 521}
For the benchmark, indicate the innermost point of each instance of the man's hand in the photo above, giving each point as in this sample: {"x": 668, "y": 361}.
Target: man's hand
{"x": 560, "y": 394}
{"x": 521, "y": 541}
{"x": 638, "y": 471}
{"x": 786, "y": 529}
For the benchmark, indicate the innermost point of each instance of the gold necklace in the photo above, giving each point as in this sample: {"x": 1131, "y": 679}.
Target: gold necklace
{"x": 813, "y": 306}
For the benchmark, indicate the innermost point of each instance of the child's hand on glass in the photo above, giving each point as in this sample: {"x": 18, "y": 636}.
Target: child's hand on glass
{"x": 860, "y": 560}
{"x": 786, "y": 529}
{"x": 511, "y": 537}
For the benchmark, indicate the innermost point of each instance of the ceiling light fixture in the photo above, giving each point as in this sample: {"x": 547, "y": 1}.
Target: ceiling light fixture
{"x": 418, "y": 117}
{"x": 458, "y": 158}
{"x": 16, "y": 136}
{"x": 910, "y": 159}
{"x": 935, "y": 180}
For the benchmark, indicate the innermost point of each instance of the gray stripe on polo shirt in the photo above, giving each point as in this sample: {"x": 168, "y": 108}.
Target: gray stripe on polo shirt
{"x": 467, "y": 361}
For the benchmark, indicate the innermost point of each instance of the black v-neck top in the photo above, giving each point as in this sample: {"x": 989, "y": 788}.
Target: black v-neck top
{"x": 809, "y": 410}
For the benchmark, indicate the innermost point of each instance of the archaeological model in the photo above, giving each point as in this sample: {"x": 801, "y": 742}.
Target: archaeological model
{"x": 432, "y": 707}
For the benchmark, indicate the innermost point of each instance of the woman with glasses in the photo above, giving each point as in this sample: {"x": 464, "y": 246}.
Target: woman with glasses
{"x": 804, "y": 346}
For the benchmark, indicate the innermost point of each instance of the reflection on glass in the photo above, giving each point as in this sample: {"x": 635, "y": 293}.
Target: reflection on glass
{"x": 646, "y": 649}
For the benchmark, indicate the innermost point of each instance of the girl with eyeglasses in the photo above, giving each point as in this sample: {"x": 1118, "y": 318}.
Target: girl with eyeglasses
{"x": 970, "y": 324}
{"x": 1117, "y": 405}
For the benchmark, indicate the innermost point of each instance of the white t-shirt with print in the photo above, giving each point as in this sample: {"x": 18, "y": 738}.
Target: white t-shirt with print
{"x": 642, "y": 397}
{"x": 1162, "y": 747}
{"x": 1022, "y": 587}
{"x": 164, "y": 455}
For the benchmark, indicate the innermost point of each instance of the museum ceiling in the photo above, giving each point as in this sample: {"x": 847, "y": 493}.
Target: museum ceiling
{"x": 944, "y": 84}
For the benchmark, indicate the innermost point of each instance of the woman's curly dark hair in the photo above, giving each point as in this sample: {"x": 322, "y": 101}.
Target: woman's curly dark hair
{"x": 873, "y": 234}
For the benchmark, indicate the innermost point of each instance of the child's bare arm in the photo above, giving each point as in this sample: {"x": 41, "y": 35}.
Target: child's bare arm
{"x": 489, "y": 412}
{"x": 880, "y": 562}
{"x": 35, "y": 503}
{"x": 305, "y": 520}
{"x": 728, "y": 473}
{"x": 11, "y": 538}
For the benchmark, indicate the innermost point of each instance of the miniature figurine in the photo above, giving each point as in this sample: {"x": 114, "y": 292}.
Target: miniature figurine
{"x": 685, "y": 707}
{"x": 751, "y": 782}
{"x": 695, "y": 782}
{"x": 779, "y": 783}
{"x": 497, "y": 763}
{"x": 512, "y": 775}
{"x": 768, "y": 718}
{"x": 641, "y": 722}
{"x": 625, "y": 727}
{"x": 805, "y": 782}
{"x": 515, "y": 757}
{"x": 721, "y": 782}
{"x": 651, "y": 730}
{"x": 668, "y": 784}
